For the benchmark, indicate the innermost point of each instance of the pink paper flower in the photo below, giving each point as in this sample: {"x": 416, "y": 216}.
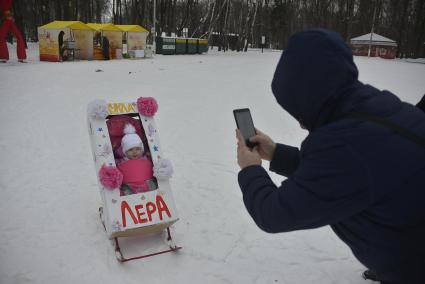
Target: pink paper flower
{"x": 110, "y": 177}
{"x": 147, "y": 106}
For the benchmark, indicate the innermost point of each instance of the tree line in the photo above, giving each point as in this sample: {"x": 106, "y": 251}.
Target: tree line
{"x": 239, "y": 24}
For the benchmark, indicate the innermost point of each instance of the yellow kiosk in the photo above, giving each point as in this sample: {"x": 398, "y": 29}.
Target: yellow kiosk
{"x": 135, "y": 37}
{"x": 114, "y": 36}
{"x": 65, "y": 40}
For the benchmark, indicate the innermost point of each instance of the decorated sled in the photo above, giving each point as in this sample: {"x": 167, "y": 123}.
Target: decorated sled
{"x": 135, "y": 212}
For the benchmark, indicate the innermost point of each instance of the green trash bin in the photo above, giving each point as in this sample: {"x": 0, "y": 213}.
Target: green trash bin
{"x": 181, "y": 46}
{"x": 192, "y": 46}
{"x": 202, "y": 46}
{"x": 168, "y": 45}
{"x": 158, "y": 45}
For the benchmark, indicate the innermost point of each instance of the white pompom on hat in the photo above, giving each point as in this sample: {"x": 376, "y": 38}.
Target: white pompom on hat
{"x": 131, "y": 139}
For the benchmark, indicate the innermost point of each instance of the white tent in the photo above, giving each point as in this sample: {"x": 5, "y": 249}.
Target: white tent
{"x": 373, "y": 45}
{"x": 375, "y": 40}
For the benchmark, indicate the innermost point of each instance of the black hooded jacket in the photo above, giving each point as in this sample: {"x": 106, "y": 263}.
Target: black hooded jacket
{"x": 362, "y": 179}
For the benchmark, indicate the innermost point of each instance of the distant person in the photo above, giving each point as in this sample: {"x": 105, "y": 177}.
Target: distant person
{"x": 421, "y": 104}
{"x": 61, "y": 45}
{"x": 8, "y": 24}
{"x": 97, "y": 39}
{"x": 360, "y": 169}
{"x": 105, "y": 48}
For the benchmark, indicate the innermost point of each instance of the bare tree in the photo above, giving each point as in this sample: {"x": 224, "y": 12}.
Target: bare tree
{"x": 242, "y": 21}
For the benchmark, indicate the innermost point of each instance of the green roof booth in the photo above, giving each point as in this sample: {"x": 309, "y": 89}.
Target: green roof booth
{"x": 166, "y": 45}
{"x": 192, "y": 45}
{"x": 202, "y": 46}
{"x": 181, "y": 45}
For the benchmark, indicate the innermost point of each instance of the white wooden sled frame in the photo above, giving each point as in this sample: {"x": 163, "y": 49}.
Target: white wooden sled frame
{"x": 121, "y": 258}
{"x": 136, "y": 214}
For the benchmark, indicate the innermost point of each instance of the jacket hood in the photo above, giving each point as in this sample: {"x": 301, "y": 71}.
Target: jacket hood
{"x": 314, "y": 73}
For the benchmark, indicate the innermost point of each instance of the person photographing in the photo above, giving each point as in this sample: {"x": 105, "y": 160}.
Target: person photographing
{"x": 359, "y": 170}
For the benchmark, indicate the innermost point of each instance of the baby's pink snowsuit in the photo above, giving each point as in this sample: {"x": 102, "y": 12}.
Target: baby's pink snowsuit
{"x": 136, "y": 173}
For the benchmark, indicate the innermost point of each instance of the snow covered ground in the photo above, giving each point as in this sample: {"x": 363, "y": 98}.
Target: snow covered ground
{"x": 49, "y": 199}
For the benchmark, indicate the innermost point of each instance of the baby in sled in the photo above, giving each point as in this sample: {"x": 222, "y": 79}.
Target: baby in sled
{"x": 136, "y": 167}
{"x": 134, "y": 171}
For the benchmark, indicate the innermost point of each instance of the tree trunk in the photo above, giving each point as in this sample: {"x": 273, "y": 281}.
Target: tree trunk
{"x": 401, "y": 29}
{"x": 211, "y": 21}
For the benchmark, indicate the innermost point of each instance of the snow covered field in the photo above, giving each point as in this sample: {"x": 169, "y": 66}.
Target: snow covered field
{"x": 49, "y": 199}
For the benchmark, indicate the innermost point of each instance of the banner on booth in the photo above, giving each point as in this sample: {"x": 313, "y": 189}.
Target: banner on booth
{"x": 84, "y": 44}
{"x": 136, "y": 41}
{"x": 48, "y": 44}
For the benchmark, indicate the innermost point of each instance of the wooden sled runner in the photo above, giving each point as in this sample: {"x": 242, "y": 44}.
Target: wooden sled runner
{"x": 119, "y": 254}
{"x": 144, "y": 212}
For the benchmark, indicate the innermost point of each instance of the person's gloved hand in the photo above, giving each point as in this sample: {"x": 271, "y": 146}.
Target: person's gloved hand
{"x": 163, "y": 169}
{"x": 110, "y": 177}
{"x": 265, "y": 145}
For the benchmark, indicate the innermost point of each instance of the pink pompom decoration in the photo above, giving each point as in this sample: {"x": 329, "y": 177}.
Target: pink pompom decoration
{"x": 110, "y": 177}
{"x": 147, "y": 106}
